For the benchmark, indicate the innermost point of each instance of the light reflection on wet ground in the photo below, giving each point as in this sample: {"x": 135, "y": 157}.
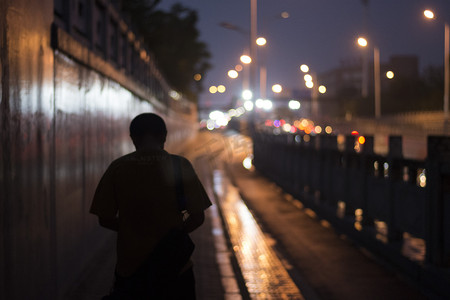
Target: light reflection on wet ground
{"x": 263, "y": 272}
{"x": 412, "y": 247}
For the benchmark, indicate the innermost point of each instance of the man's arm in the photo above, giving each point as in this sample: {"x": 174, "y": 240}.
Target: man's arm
{"x": 110, "y": 223}
{"x": 104, "y": 204}
{"x": 194, "y": 221}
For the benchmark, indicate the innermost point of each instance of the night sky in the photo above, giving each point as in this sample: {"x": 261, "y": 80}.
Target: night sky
{"x": 319, "y": 33}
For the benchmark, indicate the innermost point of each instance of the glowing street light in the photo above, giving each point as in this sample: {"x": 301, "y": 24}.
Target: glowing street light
{"x": 259, "y": 103}
{"x": 221, "y": 89}
{"x": 294, "y": 104}
{"x": 390, "y": 74}
{"x": 213, "y": 89}
{"x": 248, "y": 105}
{"x": 362, "y": 42}
{"x": 245, "y": 59}
{"x": 247, "y": 95}
{"x": 307, "y": 78}
{"x": 261, "y": 41}
{"x": 267, "y": 104}
{"x": 233, "y": 74}
{"x": 322, "y": 89}
{"x": 277, "y": 88}
{"x": 429, "y": 14}
{"x": 304, "y": 68}
{"x": 197, "y": 77}
{"x": 216, "y": 114}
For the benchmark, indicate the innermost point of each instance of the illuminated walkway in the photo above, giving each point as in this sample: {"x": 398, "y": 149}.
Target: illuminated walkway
{"x": 264, "y": 274}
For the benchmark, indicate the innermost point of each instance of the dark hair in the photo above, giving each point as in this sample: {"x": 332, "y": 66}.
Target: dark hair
{"x": 148, "y": 124}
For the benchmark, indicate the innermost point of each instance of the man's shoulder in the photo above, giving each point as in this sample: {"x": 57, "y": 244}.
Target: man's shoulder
{"x": 185, "y": 163}
{"x": 123, "y": 159}
{"x": 179, "y": 157}
{"x": 141, "y": 158}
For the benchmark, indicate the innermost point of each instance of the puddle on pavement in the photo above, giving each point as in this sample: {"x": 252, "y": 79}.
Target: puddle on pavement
{"x": 264, "y": 274}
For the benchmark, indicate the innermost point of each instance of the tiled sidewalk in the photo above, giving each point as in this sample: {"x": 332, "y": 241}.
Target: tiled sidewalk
{"x": 264, "y": 273}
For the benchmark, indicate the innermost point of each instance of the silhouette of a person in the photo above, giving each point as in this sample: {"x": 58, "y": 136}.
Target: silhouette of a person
{"x": 136, "y": 197}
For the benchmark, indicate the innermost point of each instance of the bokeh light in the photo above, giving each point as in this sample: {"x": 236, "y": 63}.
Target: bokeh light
{"x": 233, "y": 74}
{"x": 213, "y": 89}
{"x": 390, "y": 74}
{"x": 318, "y": 129}
{"x": 232, "y": 112}
{"x": 248, "y": 105}
{"x": 215, "y": 115}
{"x": 362, "y": 42}
{"x": 267, "y": 104}
{"x": 304, "y": 68}
{"x": 261, "y": 41}
{"x": 277, "y": 88}
{"x": 197, "y": 77}
{"x": 428, "y": 14}
{"x": 247, "y": 163}
{"x": 247, "y": 95}
{"x": 175, "y": 95}
{"x": 246, "y": 59}
{"x": 294, "y": 104}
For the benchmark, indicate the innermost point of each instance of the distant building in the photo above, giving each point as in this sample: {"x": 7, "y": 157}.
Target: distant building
{"x": 348, "y": 76}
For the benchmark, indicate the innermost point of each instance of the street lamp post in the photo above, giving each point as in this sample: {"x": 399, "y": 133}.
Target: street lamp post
{"x": 377, "y": 81}
{"x": 430, "y": 15}
{"x": 376, "y": 74}
{"x": 253, "y": 32}
{"x": 245, "y": 59}
{"x": 447, "y": 70}
{"x": 262, "y": 69}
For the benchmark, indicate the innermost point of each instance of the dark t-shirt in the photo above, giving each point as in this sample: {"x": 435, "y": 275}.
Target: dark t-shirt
{"x": 139, "y": 188}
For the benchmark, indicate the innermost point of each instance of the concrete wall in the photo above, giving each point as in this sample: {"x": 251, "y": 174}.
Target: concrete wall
{"x": 63, "y": 118}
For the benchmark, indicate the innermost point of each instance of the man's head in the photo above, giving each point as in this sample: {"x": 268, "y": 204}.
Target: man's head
{"x": 147, "y": 129}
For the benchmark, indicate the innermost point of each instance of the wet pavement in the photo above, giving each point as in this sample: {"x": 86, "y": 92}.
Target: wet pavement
{"x": 258, "y": 243}
{"x": 264, "y": 274}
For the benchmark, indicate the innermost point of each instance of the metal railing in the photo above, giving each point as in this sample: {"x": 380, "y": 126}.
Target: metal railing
{"x": 396, "y": 207}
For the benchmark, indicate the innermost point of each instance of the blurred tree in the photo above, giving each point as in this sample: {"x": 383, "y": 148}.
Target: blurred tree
{"x": 174, "y": 40}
